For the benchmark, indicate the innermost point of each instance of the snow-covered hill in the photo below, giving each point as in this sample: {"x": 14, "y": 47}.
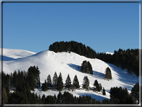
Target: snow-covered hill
{"x": 50, "y": 62}
{"x": 9, "y": 54}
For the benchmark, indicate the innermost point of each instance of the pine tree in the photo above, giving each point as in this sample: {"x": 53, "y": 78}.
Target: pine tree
{"x": 100, "y": 87}
{"x": 76, "y": 82}
{"x": 50, "y": 100}
{"x": 68, "y": 82}
{"x": 44, "y": 86}
{"x": 31, "y": 81}
{"x": 59, "y": 98}
{"x": 55, "y": 79}
{"x": 96, "y": 84}
{"x": 43, "y": 99}
{"x": 60, "y": 83}
{"x": 86, "y": 82}
{"x": 108, "y": 73}
{"x": 90, "y": 68}
{"x": 86, "y": 67}
{"x": 49, "y": 81}
{"x": 15, "y": 78}
{"x": 104, "y": 92}
{"x": 35, "y": 72}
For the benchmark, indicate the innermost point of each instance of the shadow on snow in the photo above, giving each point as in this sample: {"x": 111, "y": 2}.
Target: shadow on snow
{"x": 128, "y": 79}
{"x": 95, "y": 73}
{"x": 97, "y": 97}
{"x": 5, "y": 58}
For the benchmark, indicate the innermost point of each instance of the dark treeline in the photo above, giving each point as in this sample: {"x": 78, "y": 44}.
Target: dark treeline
{"x": 21, "y": 83}
{"x": 22, "y": 91}
{"x": 128, "y": 59}
{"x": 73, "y": 46}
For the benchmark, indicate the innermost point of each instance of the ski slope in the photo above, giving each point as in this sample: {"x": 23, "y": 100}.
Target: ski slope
{"x": 50, "y": 62}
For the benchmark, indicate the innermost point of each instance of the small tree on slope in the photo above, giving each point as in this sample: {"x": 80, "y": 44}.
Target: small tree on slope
{"x": 68, "y": 82}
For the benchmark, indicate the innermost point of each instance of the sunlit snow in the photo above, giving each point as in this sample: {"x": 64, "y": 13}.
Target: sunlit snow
{"x": 50, "y": 62}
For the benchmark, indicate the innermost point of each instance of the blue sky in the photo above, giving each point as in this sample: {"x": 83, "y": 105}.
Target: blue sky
{"x": 104, "y": 27}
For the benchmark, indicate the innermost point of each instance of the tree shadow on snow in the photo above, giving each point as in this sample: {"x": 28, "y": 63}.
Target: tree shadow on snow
{"x": 76, "y": 67}
{"x": 95, "y": 73}
{"x": 97, "y": 97}
{"x": 124, "y": 76}
{"x": 98, "y": 74}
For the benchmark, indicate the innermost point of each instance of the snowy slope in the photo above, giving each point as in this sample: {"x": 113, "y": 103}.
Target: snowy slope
{"x": 70, "y": 63}
{"x": 109, "y": 53}
{"x": 9, "y": 54}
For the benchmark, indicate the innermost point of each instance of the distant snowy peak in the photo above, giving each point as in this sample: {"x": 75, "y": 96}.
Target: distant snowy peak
{"x": 108, "y": 53}
{"x": 16, "y": 53}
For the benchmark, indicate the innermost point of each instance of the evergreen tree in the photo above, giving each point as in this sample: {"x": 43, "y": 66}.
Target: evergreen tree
{"x": 96, "y": 84}
{"x": 68, "y": 82}
{"x": 50, "y": 100}
{"x": 108, "y": 73}
{"x": 60, "y": 83}
{"x": 35, "y": 72}
{"x": 90, "y": 68}
{"x": 86, "y": 82}
{"x": 49, "y": 81}
{"x": 76, "y": 82}
{"x": 86, "y": 67}
{"x": 31, "y": 81}
{"x": 15, "y": 78}
{"x": 44, "y": 86}
{"x": 121, "y": 96}
{"x": 59, "y": 98}
{"x": 135, "y": 91}
{"x": 104, "y": 92}
{"x": 100, "y": 87}
{"x": 43, "y": 99}
{"x": 55, "y": 79}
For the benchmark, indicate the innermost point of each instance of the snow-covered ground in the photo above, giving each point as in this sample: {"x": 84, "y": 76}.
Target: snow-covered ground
{"x": 109, "y": 53}
{"x": 50, "y": 62}
{"x": 77, "y": 93}
{"x": 9, "y": 54}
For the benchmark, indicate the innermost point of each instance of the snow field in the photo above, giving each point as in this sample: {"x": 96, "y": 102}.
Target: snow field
{"x": 50, "y": 62}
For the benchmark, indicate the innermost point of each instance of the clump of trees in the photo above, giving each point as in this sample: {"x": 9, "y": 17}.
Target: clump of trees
{"x": 44, "y": 86}
{"x": 108, "y": 73}
{"x": 135, "y": 91}
{"x": 98, "y": 87}
{"x": 33, "y": 77}
{"x": 121, "y": 96}
{"x": 20, "y": 82}
{"x": 86, "y": 67}
{"x": 73, "y": 46}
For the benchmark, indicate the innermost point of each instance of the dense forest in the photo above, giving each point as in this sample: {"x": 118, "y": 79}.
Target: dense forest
{"x": 128, "y": 59}
{"x": 23, "y": 82}
{"x": 73, "y": 46}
